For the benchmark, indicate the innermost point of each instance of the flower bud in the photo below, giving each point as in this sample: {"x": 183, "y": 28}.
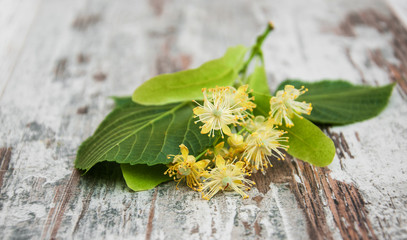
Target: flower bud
{"x": 236, "y": 141}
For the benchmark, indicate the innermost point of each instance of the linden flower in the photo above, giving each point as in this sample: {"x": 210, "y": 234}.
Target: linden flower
{"x": 240, "y": 98}
{"x": 237, "y": 145}
{"x": 236, "y": 141}
{"x": 220, "y": 149}
{"x": 283, "y": 106}
{"x": 263, "y": 143}
{"x": 217, "y": 112}
{"x": 226, "y": 176}
{"x": 259, "y": 122}
{"x": 185, "y": 166}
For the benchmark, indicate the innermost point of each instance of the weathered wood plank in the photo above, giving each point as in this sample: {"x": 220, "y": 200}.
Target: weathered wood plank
{"x": 364, "y": 162}
{"x": 400, "y": 9}
{"x": 55, "y": 87}
{"x": 5, "y": 155}
{"x": 16, "y": 18}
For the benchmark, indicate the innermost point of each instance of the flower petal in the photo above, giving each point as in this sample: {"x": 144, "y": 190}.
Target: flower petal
{"x": 220, "y": 162}
{"x": 184, "y": 151}
{"x": 205, "y": 128}
{"x": 199, "y": 111}
{"x": 239, "y": 165}
{"x": 219, "y": 146}
{"x": 201, "y": 164}
{"x": 226, "y": 130}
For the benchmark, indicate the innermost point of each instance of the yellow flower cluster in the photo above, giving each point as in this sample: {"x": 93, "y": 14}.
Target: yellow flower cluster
{"x": 186, "y": 167}
{"x": 223, "y": 106}
{"x": 264, "y": 141}
{"x": 229, "y": 110}
{"x": 221, "y": 175}
{"x": 226, "y": 176}
{"x": 284, "y": 107}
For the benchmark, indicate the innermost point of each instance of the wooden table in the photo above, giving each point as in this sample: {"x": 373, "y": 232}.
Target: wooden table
{"x": 61, "y": 60}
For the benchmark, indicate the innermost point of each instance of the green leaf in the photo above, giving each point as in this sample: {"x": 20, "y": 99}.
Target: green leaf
{"x": 340, "y": 102}
{"x": 187, "y": 85}
{"x": 258, "y": 83}
{"x": 308, "y": 143}
{"x": 305, "y": 140}
{"x": 142, "y": 177}
{"x": 122, "y": 101}
{"x": 138, "y": 134}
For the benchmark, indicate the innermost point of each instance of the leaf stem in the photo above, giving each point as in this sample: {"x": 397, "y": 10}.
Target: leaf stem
{"x": 241, "y": 130}
{"x": 247, "y": 130}
{"x": 256, "y": 48}
{"x": 201, "y": 154}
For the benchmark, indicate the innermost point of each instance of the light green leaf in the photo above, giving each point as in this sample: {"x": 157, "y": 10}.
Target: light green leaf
{"x": 138, "y": 134}
{"x": 258, "y": 83}
{"x": 187, "y": 85}
{"x": 308, "y": 143}
{"x": 141, "y": 177}
{"x": 340, "y": 102}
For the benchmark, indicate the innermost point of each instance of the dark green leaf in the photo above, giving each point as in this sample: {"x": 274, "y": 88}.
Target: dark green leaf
{"x": 340, "y": 102}
{"x": 122, "y": 101}
{"x": 141, "y": 177}
{"x": 258, "y": 83}
{"x": 138, "y": 134}
{"x": 308, "y": 143}
{"x": 187, "y": 85}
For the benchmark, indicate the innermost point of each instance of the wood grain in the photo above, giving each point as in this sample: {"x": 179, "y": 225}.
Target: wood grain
{"x": 60, "y": 60}
{"x": 5, "y": 155}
